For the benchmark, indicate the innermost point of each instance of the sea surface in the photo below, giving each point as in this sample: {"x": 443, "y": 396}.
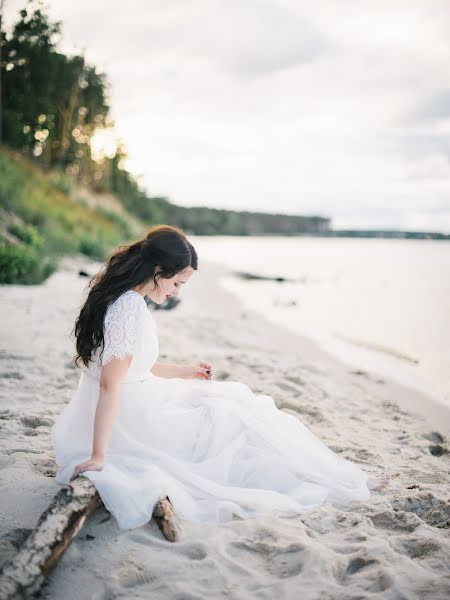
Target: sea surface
{"x": 377, "y": 304}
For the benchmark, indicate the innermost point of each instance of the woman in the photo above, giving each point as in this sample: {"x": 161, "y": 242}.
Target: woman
{"x": 140, "y": 429}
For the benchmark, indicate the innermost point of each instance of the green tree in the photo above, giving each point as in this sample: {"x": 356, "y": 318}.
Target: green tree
{"x": 52, "y": 103}
{"x": 2, "y": 6}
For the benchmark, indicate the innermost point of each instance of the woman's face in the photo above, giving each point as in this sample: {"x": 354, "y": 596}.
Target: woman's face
{"x": 167, "y": 287}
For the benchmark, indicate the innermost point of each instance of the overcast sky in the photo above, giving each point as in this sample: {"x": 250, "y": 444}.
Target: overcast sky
{"x": 339, "y": 108}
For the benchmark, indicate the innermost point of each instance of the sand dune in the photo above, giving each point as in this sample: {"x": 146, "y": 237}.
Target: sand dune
{"x": 396, "y": 545}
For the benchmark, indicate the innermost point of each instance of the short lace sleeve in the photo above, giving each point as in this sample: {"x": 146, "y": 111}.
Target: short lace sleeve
{"x": 120, "y": 327}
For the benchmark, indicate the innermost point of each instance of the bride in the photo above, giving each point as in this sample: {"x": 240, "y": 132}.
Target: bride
{"x": 141, "y": 429}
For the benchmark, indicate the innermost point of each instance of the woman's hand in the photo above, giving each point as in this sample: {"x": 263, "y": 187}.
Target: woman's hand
{"x": 92, "y": 464}
{"x": 200, "y": 370}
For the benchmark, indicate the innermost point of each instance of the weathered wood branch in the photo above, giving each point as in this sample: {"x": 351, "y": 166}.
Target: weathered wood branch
{"x": 24, "y": 575}
{"x": 165, "y": 519}
{"x": 57, "y": 526}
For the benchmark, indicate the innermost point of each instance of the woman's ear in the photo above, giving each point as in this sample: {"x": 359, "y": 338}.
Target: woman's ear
{"x": 156, "y": 273}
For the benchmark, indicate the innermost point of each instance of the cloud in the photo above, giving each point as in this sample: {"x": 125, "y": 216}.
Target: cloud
{"x": 260, "y": 38}
{"x": 336, "y": 108}
{"x": 437, "y": 106}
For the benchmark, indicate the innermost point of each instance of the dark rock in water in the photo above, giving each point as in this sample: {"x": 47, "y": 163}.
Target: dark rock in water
{"x": 166, "y": 305}
{"x": 244, "y": 275}
{"x": 359, "y": 372}
{"x": 82, "y": 273}
{"x": 254, "y": 276}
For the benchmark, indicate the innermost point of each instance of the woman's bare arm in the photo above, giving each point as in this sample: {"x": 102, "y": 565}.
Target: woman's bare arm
{"x": 167, "y": 370}
{"x": 111, "y": 377}
{"x": 201, "y": 370}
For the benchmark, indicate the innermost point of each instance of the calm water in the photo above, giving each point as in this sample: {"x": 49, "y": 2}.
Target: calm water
{"x": 383, "y": 305}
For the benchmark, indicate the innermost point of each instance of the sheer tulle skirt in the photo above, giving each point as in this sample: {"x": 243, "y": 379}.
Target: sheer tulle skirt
{"x": 214, "y": 447}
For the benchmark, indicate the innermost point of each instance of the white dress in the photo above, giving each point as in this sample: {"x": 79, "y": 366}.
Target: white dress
{"x": 214, "y": 447}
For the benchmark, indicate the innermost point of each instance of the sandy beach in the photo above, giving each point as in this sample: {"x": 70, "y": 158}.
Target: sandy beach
{"x": 394, "y": 546}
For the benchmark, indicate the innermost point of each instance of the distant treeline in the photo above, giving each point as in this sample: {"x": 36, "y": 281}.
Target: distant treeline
{"x": 394, "y": 234}
{"x": 52, "y": 108}
{"x": 214, "y": 221}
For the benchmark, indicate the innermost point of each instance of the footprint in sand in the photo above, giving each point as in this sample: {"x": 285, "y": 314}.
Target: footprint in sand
{"x": 427, "y": 507}
{"x": 291, "y": 406}
{"x": 397, "y": 521}
{"x": 364, "y": 455}
{"x": 24, "y": 450}
{"x": 131, "y": 574}
{"x": 44, "y": 466}
{"x": 421, "y": 476}
{"x": 287, "y": 387}
{"x": 356, "y": 564}
{"x": 338, "y": 449}
{"x": 435, "y": 437}
{"x": 34, "y": 421}
{"x": 30, "y": 432}
{"x": 280, "y": 561}
{"x": 193, "y": 551}
{"x": 437, "y": 450}
{"x": 11, "y": 375}
{"x": 310, "y": 416}
{"x": 416, "y": 547}
{"x": 295, "y": 379}
{"x": 315, "y": 414}
{"x": 374, "y": 578}
{"x": 391, "y": 406}
{"x": 4, "y": 355}
{"x": 7, "y": 415}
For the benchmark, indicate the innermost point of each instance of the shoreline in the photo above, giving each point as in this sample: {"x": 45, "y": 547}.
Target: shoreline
{"x": 396, "y": 542}
{"x": 386, "y": 363}
{"x": 411, "y": 397}
{"x": 392, "y": 321}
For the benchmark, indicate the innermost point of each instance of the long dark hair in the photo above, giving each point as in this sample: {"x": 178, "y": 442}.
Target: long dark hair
{"x": 164, "y": 246}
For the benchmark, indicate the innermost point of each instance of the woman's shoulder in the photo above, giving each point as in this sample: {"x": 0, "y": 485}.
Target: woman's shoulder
{"x": 129, "y": 303}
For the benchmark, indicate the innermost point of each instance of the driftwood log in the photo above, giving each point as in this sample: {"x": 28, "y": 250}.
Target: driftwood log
{"x": 24, "y": 575}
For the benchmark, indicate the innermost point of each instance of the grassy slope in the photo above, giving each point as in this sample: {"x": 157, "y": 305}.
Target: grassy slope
{"x": 42, "y": 217}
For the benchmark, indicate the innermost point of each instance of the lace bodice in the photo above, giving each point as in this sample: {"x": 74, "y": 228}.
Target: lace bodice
{"x": 128, "y": 329}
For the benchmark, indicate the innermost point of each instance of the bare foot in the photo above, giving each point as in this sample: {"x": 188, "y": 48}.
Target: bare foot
{"x": 377, "y": 482}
